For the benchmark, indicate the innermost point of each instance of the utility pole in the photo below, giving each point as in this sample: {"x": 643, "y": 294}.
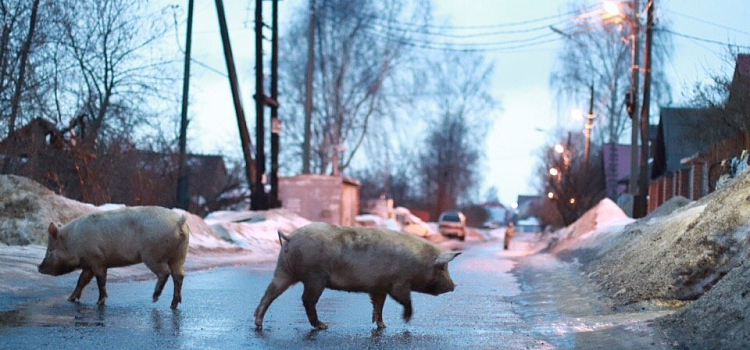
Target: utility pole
{"x": 633, "y": 99}
{"x": 589, "y": 127}
{"x": 183, "y": 194}
{"x": 275, "y": 121}
{"x": 309, "y": 88}
{"x": 250, "y": 165}
{"x": 641, "y": 201}
{"x": 258, "y": 197}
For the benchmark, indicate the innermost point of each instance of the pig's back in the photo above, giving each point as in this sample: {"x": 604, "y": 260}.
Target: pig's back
{"x": 361, "y": 259}
{"x": 123, "y": 236}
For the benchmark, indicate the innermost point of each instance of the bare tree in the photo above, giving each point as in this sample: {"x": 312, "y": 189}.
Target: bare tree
{"x": 449, "y": 164}
{"x": 355, "y": 68}
{"x": 109, "y": 73}
{"x": 597, "y": 52}
{"x": 573, "y": 188}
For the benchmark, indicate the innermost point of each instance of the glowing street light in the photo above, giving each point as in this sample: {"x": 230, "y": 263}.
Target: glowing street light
{"x": 559, "y": 148}
{"x": 514, "y": 205}
{"x": 553, "y": 171}
{"x": 612, "y": 8}
{"x": 550, "y": 195}
{"x": 576, "y": 114}
{"x": 572, "y": 201}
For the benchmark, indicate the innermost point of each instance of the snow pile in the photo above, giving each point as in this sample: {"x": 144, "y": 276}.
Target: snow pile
{"x": 593, "y": 229}
{"x": 27, "y": 208}
{"x": 253, "y": 232}
{"x": 695, "y": 256}
{"x": 668, "y": 207}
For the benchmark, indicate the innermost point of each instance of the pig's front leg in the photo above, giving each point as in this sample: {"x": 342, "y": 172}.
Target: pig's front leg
{"x": 378, "y": 300}
{"x": 402, "y": 294}
{"x": 101, "y": 282}
{"x": 83, "y": 280}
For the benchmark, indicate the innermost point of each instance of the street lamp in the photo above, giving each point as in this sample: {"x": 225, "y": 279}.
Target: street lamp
{"x": 612, "y": 9}
{"x": 559, "y": 148}
{"x": 550, "y": 195}
{"x": 553, "y": 171}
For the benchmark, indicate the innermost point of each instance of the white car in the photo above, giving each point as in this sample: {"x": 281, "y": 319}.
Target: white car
{"x": 452, "y": 224}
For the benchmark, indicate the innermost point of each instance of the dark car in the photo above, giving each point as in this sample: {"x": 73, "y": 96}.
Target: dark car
{"x": 452, "y": 224}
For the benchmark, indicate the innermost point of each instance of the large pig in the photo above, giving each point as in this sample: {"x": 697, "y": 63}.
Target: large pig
{"x": 375, "y": 261}
{"x": 156, "y": 236}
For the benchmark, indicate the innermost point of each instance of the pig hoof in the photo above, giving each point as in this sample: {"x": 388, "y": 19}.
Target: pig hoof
{"x": 72, "y": 298}
{"x": 156, "y": 299}
{"x": 321, "y": 326}
{"x": 381, "y": 325}
{"x": 174, "y": 305}
{"x": 100, "y": 302}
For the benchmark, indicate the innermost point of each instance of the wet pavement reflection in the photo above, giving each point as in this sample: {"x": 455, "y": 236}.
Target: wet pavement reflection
{"x": 490, "y": 309}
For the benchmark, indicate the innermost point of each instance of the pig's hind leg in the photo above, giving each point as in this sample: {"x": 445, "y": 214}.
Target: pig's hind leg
{"x": 101, "y": 282}
{"x": 161, "y": 270}
{"x": 280, "y": 283}
{"x": 314, "y": 287}
{"x": 83, "y": 280}
{"x": 378, "y": 300}
{"x": 178, "y": 275}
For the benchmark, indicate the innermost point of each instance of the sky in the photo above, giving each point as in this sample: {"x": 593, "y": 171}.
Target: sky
{"x": 521, "y": 80}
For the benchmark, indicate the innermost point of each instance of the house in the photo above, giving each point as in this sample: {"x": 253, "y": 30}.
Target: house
{"x": 693, "y": 143}
{"x": 331, "y": 199}
{"x": 118, "y": 173}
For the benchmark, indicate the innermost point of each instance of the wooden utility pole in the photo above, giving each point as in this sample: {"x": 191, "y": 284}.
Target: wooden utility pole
{"x": 183, "y": 190}
{"x": 633, "y": 98}
{"x": 250, "y": 165}
{"x": 309, "y": 89}
{"x": 589, "y": 127}
{"x": 641, "y": 201}
{"x": 275, "y": 121}
{"x": 258, "y": 199}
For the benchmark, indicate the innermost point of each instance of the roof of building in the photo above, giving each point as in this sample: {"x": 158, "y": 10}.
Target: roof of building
{"x": 683, "y": 132}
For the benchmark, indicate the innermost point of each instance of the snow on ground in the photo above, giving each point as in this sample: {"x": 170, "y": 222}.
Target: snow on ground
{"x": 693, "y": 257}
{"x": 27, "y": 209}
{"x": 592, "y": 229}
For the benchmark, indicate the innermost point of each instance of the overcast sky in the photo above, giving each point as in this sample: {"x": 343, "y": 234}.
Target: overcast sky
{"x": 521, "y": 80}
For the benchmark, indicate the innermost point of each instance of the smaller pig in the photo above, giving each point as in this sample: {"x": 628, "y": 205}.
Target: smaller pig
{"x": 375, "y": 261}
{"x": 156, "y": 236}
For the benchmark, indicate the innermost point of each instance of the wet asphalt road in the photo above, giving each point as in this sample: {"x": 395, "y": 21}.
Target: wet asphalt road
{"x": 488, "y": 310}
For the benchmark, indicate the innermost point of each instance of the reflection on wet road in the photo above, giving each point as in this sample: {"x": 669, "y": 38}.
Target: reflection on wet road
{"x": 483, "y": 313}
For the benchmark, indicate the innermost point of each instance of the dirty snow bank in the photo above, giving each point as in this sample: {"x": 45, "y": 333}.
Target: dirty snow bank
{"x": 27, "y": 208}
{"x": 597, "y": 227}
{"x": 698, "y": 251}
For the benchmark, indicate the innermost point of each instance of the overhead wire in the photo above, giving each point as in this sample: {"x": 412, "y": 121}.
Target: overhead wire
{"x": 707, "y": 22}
{"x": 709, "y": 41}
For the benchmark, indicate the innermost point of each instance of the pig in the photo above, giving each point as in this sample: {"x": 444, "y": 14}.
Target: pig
{"x": 376, "y": 261}
{"x": 156, "y": 236}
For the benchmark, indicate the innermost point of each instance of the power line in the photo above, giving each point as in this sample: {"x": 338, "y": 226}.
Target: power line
{"x": 708, "y": 22}
{"x": 500, "y": 47}
{"x": 715, "y": 42}
{"x": 428, "y": 41}
{"x": 490, "y": 26}
{"x": 427, "y": 32}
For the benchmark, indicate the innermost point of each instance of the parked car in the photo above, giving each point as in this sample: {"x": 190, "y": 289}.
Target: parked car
{"x": 452, "y": 224}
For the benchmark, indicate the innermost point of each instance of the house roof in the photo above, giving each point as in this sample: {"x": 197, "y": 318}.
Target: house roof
{"x": 683, "y": 132}
{"x": 739, "y": 90}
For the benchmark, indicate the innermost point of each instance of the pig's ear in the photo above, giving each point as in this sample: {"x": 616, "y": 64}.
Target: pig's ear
{"x": 53, "y": 230}
{"x": 446, "y": 257}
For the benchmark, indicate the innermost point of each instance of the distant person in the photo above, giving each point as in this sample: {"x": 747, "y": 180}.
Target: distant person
{"x": 509, "y": 232}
